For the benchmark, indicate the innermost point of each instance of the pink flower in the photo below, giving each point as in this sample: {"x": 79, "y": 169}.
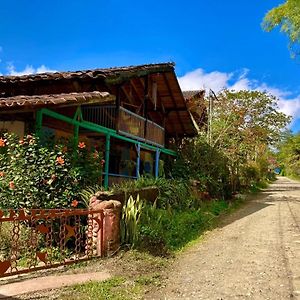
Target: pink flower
{"x": 102, "y": 162}
{"x": 74, "y": 203}
{"x": 81, "y": 145}
{"x": 12, "y": 185}
{"x": 2, "y": 142}
{"x": 60, "y": 160}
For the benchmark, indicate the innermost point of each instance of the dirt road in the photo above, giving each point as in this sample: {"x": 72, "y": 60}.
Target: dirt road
{"x": 254, "y": 255}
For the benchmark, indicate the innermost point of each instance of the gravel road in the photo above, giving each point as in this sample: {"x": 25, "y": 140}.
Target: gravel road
{"x": 255, "y": 254}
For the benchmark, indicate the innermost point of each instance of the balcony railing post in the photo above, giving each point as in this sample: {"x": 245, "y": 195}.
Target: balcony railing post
{"x": 157, "y": 153}
{"x": 39, "y": 123}
{"x": 106, "y": 166}
{"x": 138, "y": 160}
{"x": 117, "y": 116}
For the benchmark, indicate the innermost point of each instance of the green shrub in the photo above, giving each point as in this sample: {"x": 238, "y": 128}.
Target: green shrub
{"x": 172, "y": 192}
{"x": 163, "y": 231}
{"x": 199, "y": 161}
{"x": 33, "y": 175}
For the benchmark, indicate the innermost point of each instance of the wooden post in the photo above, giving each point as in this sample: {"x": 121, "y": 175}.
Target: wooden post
{"x": 157, "y": 153}
{"x": 138, "y": 160}
{"x": 106, "y": 167}
{"x": 76, "y": 136}
{"x": 39, "y": 123}
{"x": 76, "y": 127}
{"x": 145, "y": 108}
{"x": 118, "y": 103}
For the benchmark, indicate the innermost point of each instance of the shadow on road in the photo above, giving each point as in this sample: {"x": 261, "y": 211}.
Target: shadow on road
{"x": 253, "y": 204}
{"x": 265, "y": 198}
{"x": 2, "y": 297}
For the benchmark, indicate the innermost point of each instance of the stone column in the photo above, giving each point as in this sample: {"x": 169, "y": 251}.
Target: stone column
{"x": 111, "y": 227}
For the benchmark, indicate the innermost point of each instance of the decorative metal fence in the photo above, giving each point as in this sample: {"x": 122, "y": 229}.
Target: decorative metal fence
{"x": 36, "y": 239}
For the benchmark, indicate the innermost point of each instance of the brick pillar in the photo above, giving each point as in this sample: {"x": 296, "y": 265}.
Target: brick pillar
{"x": 111, "y": 227}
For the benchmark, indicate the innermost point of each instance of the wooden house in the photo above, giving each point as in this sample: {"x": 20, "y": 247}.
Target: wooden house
{"x": 130, "y": 112}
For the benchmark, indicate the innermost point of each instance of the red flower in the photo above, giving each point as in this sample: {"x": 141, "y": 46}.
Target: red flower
{"x": 81, "y": 145}
{"x": 2, "y": 142}
{"x": 60, "y": 160}
{"x": 2, "y": 174}
{"x": 12, "y": 185}
{"x": 74, "y": 203}
{"x": 102, "y": 162}
{"x": 21, "y": 142}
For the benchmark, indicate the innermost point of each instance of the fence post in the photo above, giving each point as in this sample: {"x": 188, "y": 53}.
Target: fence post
{"x": 106, "y": 240}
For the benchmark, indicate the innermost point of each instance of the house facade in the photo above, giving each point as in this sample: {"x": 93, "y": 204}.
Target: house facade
{"x": 130, "y": 114}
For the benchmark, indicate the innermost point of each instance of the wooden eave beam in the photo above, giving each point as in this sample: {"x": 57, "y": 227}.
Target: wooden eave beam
{"x": 133, "y": 84}
{"x": 162, "y": 113}
{"x": 123, "y": 89}
{"x": 173, "y": 100}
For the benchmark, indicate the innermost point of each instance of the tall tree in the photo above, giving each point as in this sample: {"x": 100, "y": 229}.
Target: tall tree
{"x": 243, "y": 125}
{"x": 287, "y": 17}
{"x": 289, "y": 155}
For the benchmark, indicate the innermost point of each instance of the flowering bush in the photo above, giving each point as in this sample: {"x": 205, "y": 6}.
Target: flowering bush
{"x": 37, "y": 176}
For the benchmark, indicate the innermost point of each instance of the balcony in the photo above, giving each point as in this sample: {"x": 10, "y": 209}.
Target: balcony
{"x": 127, "y": 123}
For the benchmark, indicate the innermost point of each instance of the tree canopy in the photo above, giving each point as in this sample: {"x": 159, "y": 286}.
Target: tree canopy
{"x": 244, "y": 125}
{"x": 287, "y": 17}
{"x": 289, "y": 155}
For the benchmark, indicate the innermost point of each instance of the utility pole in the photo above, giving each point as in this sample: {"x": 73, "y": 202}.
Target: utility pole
{"x": 212, "y": 96}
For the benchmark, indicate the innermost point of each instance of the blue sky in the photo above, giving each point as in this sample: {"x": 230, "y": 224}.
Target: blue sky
{"x": 215, "y": 44}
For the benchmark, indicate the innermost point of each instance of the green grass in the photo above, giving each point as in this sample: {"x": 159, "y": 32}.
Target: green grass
{"x": 116, "y": 288}
{"x": 294, "y": 177}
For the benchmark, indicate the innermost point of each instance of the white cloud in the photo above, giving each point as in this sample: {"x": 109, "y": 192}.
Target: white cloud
{"x": 290, "y": 107}
{"x": 198, "y": 79}
{"x": 239, "y": 80}
{"x": 44, "y": 69}
{"x": 28, "y": 70}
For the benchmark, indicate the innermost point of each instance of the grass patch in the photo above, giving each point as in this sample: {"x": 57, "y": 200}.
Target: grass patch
{"x": 117, "y": 288}
{"x": 294, "y": 177}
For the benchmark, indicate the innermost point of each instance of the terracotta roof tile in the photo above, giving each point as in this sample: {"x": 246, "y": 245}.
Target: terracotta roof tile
{"x": 40, "y": 100}
{"x": 115, "y": 72}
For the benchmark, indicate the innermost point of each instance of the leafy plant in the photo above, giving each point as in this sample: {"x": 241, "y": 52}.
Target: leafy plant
{"x": 130, "y": 219}
{"x": 86, "y": 193}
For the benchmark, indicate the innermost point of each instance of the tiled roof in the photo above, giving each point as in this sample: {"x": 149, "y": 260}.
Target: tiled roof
{"x": 110, "y": 73}
{"x": 40, "y": 100}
